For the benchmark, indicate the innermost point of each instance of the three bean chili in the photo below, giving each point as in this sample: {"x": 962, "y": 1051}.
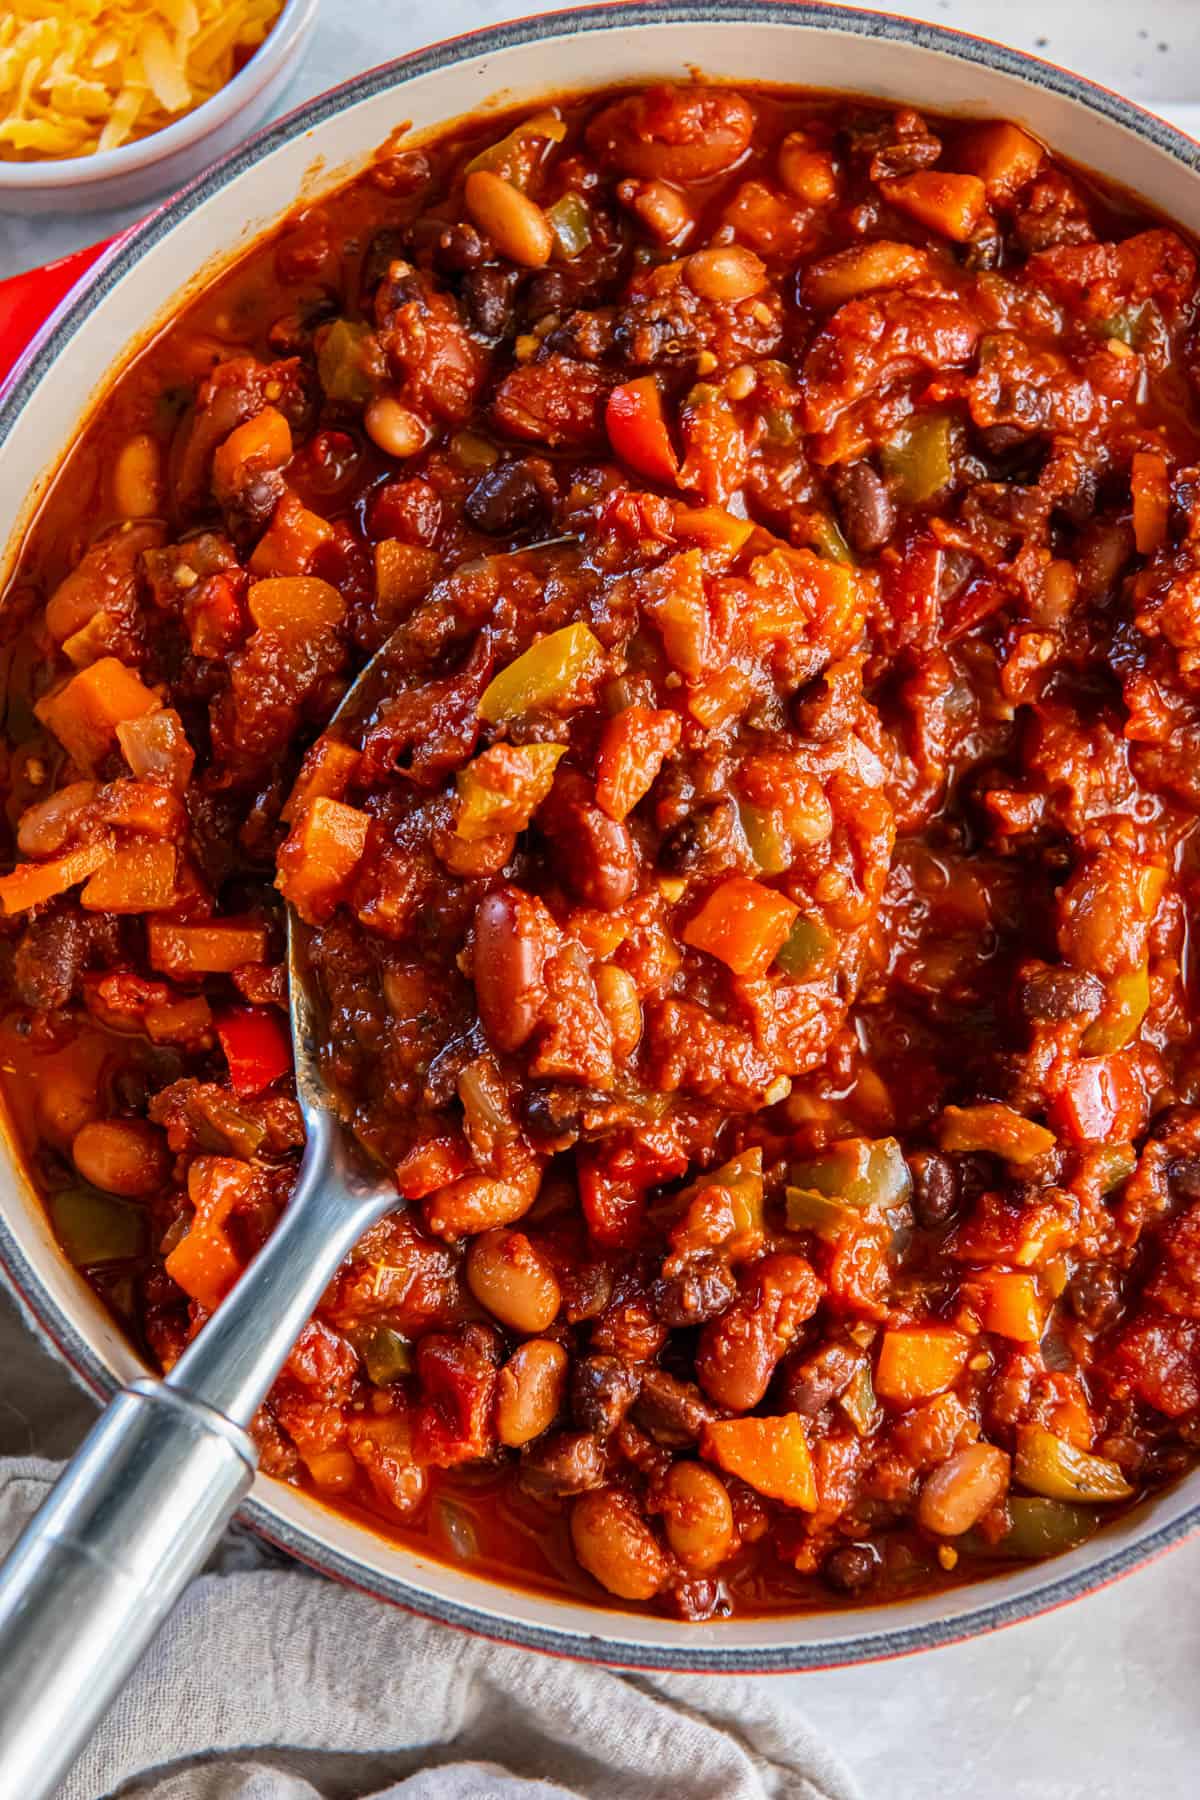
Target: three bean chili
{"x": 751, "y": 907}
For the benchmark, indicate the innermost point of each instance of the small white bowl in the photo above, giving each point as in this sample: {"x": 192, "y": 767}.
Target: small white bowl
{"x": 151, "y": 165}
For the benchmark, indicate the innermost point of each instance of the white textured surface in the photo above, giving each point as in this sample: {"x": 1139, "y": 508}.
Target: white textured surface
{"x": 1099, "y": 1701}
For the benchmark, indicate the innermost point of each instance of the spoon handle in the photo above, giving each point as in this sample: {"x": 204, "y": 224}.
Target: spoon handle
{"x": 138, "y": 1509}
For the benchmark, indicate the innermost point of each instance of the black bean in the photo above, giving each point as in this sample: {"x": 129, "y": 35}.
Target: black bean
{"x": 550, "y": 291}
{"x": 603, "y": 1388}
{"x": 385, "y": 248}
{"x": 693, "y": 1598}
{"x": 586, "y": 1291}
{"x": 674, "y": 1412}
{"x": 1000, "y": 440}
{"x": 458, "y": 248}
{"x": 851, "y": 1569}
{"x": 489, "y": 295}
{"x": 699, "y": 1292}
{"x": 703, "y": 840}
{"x": 867, "y": 513}
{"x": 935, "y": 1188}
{"x": 1051, "y": 996}
{"x": 809, "y": 1384}
{"x": 507, "y": 497}
{"x": 1094, "y": 1293}
{"x": 1184, "y": 1177}
{"x": 562, "y": 1463}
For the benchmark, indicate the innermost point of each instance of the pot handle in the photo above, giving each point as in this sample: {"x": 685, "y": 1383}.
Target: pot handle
{"x": 95, "y": 1573}
{"x": 26, "y": 301}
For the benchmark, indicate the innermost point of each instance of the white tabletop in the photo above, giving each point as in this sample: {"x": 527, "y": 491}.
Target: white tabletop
{"x": 1100, "y": 1701}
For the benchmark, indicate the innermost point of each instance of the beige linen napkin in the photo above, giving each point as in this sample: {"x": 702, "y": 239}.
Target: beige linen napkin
{"x": 270, "y": 1683}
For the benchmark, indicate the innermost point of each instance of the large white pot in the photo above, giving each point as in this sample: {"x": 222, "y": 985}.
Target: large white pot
{"x": 141, "y": 281}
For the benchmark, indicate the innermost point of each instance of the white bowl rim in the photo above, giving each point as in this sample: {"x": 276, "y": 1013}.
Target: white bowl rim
{"x": 688, "y": 1652}
{"x": 292, "y": 23}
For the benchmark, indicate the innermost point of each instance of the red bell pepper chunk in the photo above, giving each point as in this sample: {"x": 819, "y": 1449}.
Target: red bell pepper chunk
{"x": 257, "y": 1046}
{"x": 1102, "y": 1100}
{"x": 637, "y": 430}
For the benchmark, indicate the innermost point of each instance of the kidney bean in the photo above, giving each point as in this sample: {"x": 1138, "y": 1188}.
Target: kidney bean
{"x": 599, "y": 860}
{"x": 614, "y": 1543}
{"x": 510, "y": 949}
{"x": 865, "y": 507}
{"x": 561, "y": 1464}
{"x": 529, "y": 1391}
{"x": 603, "y": 1388}
{"x": 956, "y": 1495}
{"x": 738, "y": 1352}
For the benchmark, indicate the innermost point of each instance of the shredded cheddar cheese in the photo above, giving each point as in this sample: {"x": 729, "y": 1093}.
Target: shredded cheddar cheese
{"x": 77, "y": 76}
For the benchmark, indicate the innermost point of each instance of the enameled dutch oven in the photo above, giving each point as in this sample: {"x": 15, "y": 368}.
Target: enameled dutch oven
{"x": 144, "y": 276}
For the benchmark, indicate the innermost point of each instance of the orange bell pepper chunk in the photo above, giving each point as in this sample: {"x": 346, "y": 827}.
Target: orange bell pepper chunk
{"x": 951, "y": 204}
{"x": 299, "y": 606}
{"x": 291, "y": 540}
{"x": 84, "y": 714}
{"x": 742, "y": 923}
{"x": 770, "y": 1455}
{"x": 32, "y": 882}
{"x": 204, "y": 1263}
{"x": 325, "y": 774}
{"x": 323, "y": 850}
{"x": 1003, "y": 156}
{"x": 1009, "y": 1303}
{"x": 637, "y": 430}
{"x": 139, "y": 879}
{"x": 187, "y": 951}
{"x": 916, "y": 1362}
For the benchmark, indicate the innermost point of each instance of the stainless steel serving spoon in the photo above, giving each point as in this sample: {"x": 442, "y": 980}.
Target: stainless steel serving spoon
{"x": 144, "y": 1500}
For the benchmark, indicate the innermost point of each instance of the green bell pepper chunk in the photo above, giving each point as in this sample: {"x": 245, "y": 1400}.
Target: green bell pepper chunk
{"x": 808, "y": 1210}
{"x": 571, "y": 224}
{"x": 858, "y": 1171}
{"x": 769, "y": 844}
{"x": 858, "y": 1401}
{"x": 94, "y": 1228}
{"x": 806, "y": 949}
{"x": 388, "y": 1355}
{"x": 343, "y": 362}
{"x": 544, "y": 675}
{"x": 1040, "y": 1527}
{"x": 920, "y": 458}
{"x": 1127, "y": 1004}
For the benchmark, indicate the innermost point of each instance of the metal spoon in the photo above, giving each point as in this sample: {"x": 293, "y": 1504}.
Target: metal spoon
{"x": 140, "y": 1506}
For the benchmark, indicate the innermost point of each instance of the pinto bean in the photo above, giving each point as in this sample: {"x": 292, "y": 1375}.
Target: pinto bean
{"x": 510, "y": 949}
{"x": 738, "y": 1351}
{"x": 529, "y": 1391}
{"x": 516, "y": 224}
{"x": 865, "y": 507}
{"x": 697, "y": 1515}
{"x": 956, "y": 1495}
{"x": 122, "y": 1156}
{"x": 614, "y": 1543}
{"x": 476, "y": 1203}
{"x": 512, "y": 1280}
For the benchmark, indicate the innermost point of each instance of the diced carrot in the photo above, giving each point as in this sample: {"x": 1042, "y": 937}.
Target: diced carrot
{"x": 403, "y": 572}
{"x": 637, "y": 430}
{"x": 916, "y": 1362}
{"x": 325, "y": 774}
{"x": 263, "y": 442}
{"x": 1151, "y": 501}
{"x": 91, "y": 641}
{"x": 84, "y": 714}
{"x": 323, "y": 849}
{"x": 299, "y": 606}
{"x": 742, "y": 923}
{"x": 183, "y": 1021}
{"x": 632, "y": 751}
{"x": 1003, "y": 156}
{"x": 290, "y": 542}
{"x": 156, "y": 747}
{"x": 771, "y": 1455}
{"x": 186, "y": 951}
{"x": 135, "y": 880}
{"x": 31, "y": 883}
{"x": 951, "y": 204}
{"x": 141, "y": 806}
{"x": 1101, "y": 1101}
{"x": 865, "y": 269}
{"x": 799, "y": 591}
{"x": 1009, "y": 1303}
